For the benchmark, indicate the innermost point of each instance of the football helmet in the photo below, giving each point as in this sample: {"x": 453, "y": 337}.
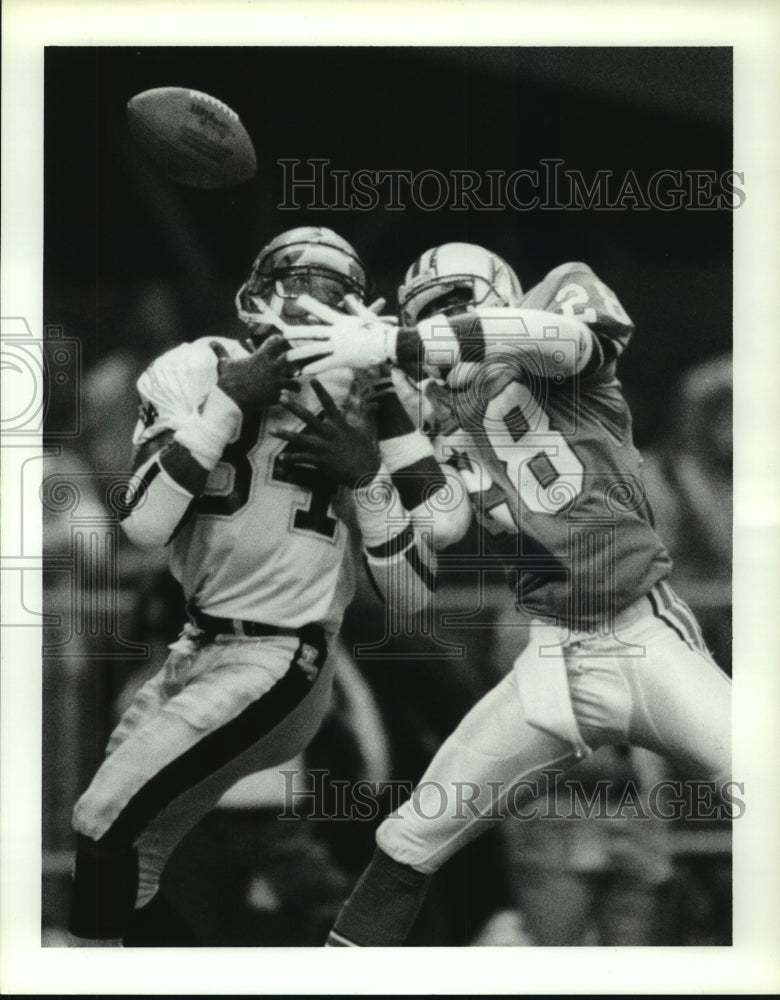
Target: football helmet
{"x": 456, "y": 277}
{"x": 309, "y": 259}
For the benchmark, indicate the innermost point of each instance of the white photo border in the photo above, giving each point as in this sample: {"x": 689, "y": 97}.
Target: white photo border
{"x": 751, "y": 965}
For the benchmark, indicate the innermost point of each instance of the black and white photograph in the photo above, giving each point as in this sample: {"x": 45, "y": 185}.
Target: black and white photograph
{"x": 385, "y": 434}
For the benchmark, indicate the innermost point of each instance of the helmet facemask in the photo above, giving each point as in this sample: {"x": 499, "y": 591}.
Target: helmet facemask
{"x": 309, "y": 260}
{"x": 456, "y": 277}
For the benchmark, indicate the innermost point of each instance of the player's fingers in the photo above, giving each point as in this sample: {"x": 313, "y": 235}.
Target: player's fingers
{"x": 268, "y": 314}
{"x": 307, "y": 353}
{"x": 358, "y": 308}
{"x": 319, "y": 364}
{"x": 309, "y": 357}
{"x": 310, "y": 333}
{"x": 219, "y": 350}
{"x": 289, "y": 385}
{"x": 282, "y": 367}
{"x": 289, "y": 458}
{"x": 272, "y": 347}
{"x": 304, "y": 442}
{"x": 302, "y": 413}
{"x": 330, "y": 408}
{"x": 318, "y": 309}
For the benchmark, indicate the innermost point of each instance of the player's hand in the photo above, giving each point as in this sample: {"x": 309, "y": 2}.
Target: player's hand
{"x": 356, "y": 341}
{"x": 345, "y": 450}
{"x": 258, "y": 380}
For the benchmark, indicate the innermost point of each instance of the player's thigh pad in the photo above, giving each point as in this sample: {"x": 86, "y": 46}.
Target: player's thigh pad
{"x": 486, "y": 770}
{"x": 647, "y": 686}
{"x": 281, "y": 743}
{"x": 681, "y": 705}
{"x": 196, "y": 696}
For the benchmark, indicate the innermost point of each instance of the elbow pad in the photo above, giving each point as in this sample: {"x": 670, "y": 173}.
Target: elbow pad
{"x": 158, "y": 493}
{"x": 155, "y": 505}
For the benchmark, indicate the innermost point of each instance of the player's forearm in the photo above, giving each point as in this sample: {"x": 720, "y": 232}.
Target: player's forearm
{"x": 398, "y": 556}
{"x": 403, "y": 572}
{"x": 558, "y": 345}
{"x": 156, "y": 502}
{"x": 420, "y": 481}
{"x": 173, "y": 472}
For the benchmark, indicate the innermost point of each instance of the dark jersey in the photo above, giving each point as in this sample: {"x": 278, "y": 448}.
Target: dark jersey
{"x": 550, "y": 463}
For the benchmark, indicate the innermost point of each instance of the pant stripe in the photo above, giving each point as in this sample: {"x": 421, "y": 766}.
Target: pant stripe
{"x": 685, "y": 612}
{"x": 215, "y": 750}
{"x": 667, "y": 620}
{"x": 336, "y": 940}
{"x": 673, "y": 612}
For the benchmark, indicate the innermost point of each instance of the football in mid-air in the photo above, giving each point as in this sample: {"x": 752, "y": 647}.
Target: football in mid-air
{"x": 193, "y": 138}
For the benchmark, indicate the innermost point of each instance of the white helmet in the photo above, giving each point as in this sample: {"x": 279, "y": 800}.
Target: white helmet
{"x": 454, "y": 278}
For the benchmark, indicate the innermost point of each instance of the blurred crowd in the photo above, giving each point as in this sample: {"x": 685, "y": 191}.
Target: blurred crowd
{"x": 244, "y": 877}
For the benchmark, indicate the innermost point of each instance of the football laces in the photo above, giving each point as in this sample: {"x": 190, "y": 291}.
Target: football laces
{"x": 208, "y": 99}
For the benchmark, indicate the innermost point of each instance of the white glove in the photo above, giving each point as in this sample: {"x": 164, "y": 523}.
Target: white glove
{"x": 264, "y": 312}
{"x": 359, "y": 341}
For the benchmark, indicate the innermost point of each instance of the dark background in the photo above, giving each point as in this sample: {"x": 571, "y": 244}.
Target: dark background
{"x": 114, "y": 229}
{"x": 134, "y": 264}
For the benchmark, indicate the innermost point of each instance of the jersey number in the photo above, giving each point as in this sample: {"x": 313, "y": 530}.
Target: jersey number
{"x": 539, "y": 462}
{"x": 321, "y": 491}
{"x": 574, "y": 300}
{"x": 236, "y": 465}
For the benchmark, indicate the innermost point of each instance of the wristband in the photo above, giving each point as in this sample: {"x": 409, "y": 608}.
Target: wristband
{"x": 390, "y": 338}
{"x": 401, "y": 452}
{"x": 441, "y": 346}
{"x": 205, "y": 434}
{"x": 380, "y": 513}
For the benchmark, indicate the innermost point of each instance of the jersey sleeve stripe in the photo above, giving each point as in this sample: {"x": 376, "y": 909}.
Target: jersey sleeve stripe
{"x": 393, "y": 546}
{"x": 183, "y": 469}
{"x": 392, "y": 420}
{"x": 417, "y": 481}
{"x": 188, "y": 513}
{"x": 471, "y": 336}
{"x": 424, "y": 572}
{"x": 139, "y": 490}
{"x": 372, "y": 580}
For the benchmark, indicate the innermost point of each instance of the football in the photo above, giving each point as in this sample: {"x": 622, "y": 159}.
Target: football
{"x": 193, "y": 138}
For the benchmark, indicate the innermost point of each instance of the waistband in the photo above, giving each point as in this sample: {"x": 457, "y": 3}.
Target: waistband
{"x": 640, "y": 608}
{"x": 236, "y": 626}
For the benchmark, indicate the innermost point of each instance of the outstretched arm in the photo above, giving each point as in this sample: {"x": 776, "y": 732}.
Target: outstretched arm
{"x": 407, "y": 505}
{"x": 570, "y": 323}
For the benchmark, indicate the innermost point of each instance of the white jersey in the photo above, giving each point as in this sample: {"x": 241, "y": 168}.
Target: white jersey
{"x": 263, "y": 543}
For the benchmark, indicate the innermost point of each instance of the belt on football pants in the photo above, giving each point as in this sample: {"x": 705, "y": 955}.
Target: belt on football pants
{"x": 255, "y": 630}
